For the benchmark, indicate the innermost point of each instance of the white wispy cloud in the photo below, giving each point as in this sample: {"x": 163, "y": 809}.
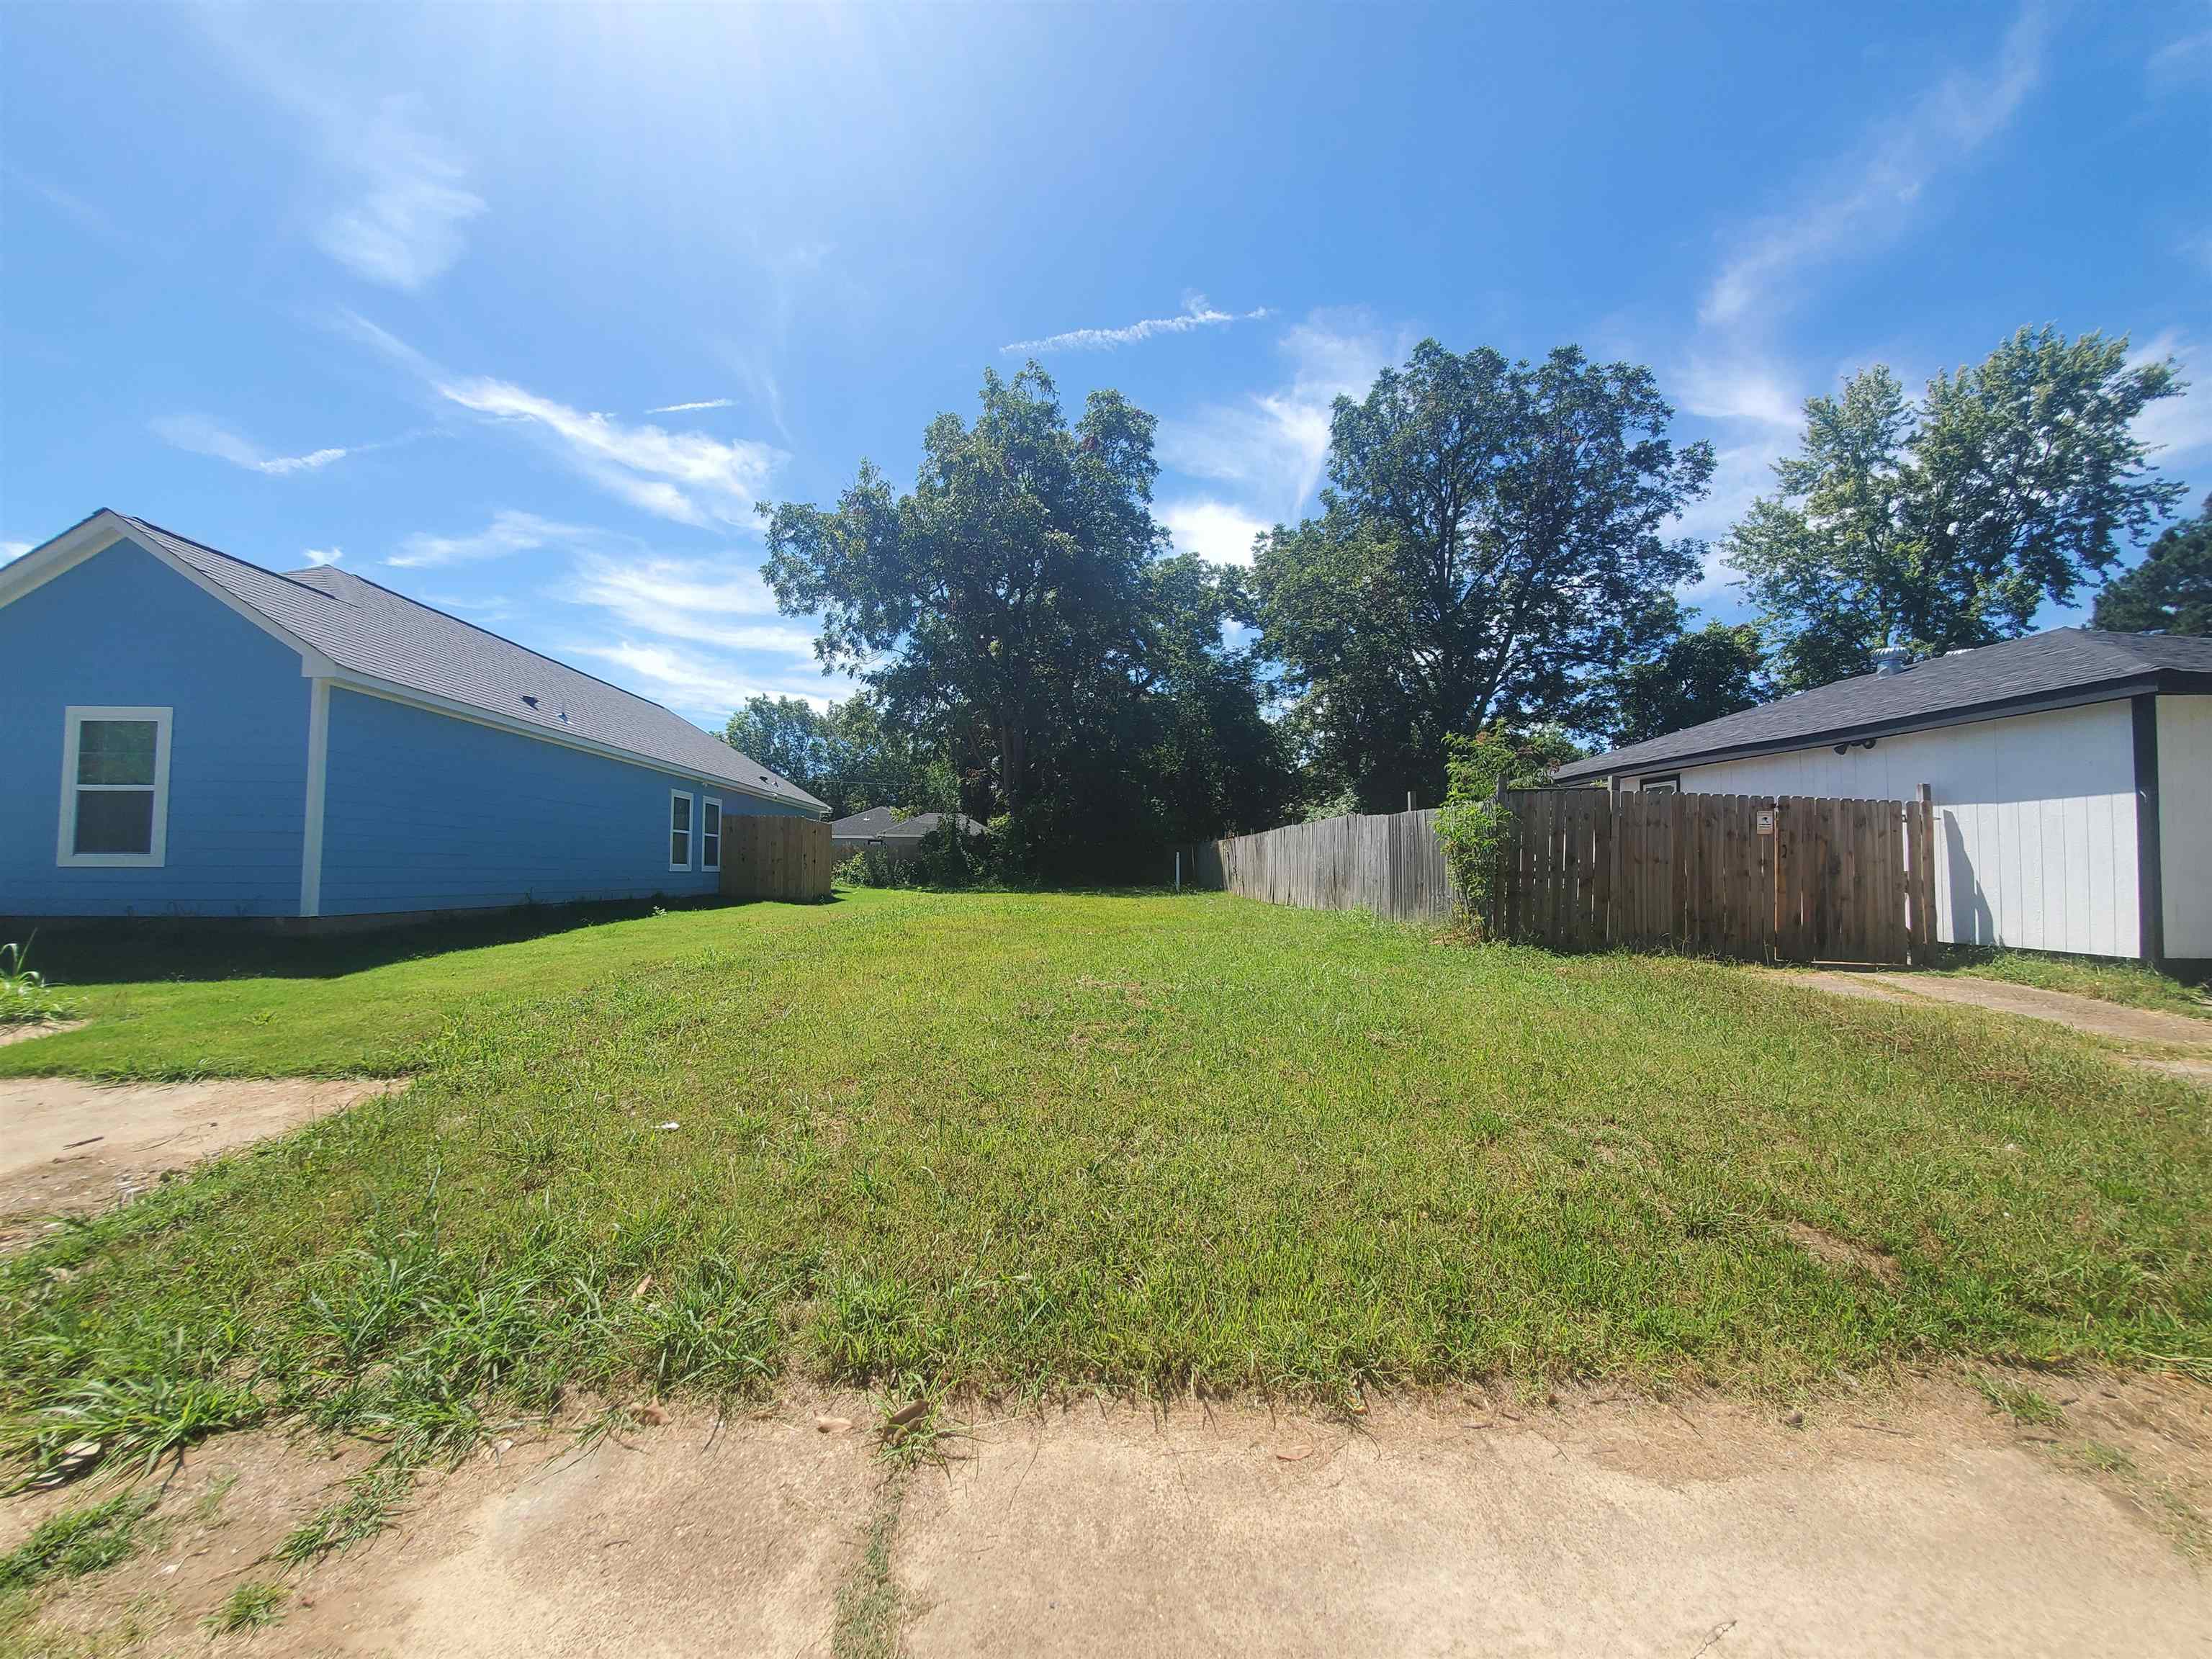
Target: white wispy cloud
{"x": 685, "y": 409}
{"x": 2175, "y": 428}
{"x": 510, "y": 532}
{"x": 1196, "y": 313}
{"x": 687, "y": 476}
{"x": 686, "y": 599}
{"x": 690, "y": 683}
{"x": 1212, "y": 530}
{"x": 1865, "y": 203}
{"x": 11, "y": 551}
{"x": 404, "y": 228}
{"x": 200, "y": 435}
{"x": 2180, "y": 61}
{"x": 319, "y": 556}
{"x": 1273, "y": 446}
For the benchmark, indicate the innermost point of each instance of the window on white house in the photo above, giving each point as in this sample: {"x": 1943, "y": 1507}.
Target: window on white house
{"x": 1671, "y": 784}
{"x": 679, "y": 830}
{"x": 115, "y": 788}
{"x": 710, "y": 833}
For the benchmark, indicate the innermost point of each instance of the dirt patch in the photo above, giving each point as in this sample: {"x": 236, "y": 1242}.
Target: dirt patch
{"x": 28, "y": 1033}
{"x": 73, "y": 1148}
{"x": 1841, "y": 1253}
{"x": 1921, "y": 1516}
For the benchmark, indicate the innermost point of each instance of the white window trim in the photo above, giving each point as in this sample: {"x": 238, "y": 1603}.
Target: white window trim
{"x": 691, "y": 826}
{"x": 65, "y": 853}
{"x": 706, "y": 801}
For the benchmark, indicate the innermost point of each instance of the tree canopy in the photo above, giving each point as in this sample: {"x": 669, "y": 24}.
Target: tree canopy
{"x": 1690, "y": 677}
{"x": 2171, "y": 590}
{"x": 1948, "y": 524}
{"x": 1017, "y": 612}
{"x": 848, "y": 755}
{"x": 1491, "y": 537}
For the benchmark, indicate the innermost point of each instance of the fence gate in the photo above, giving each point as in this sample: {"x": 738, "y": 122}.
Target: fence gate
{"x": 1789, "y": 878}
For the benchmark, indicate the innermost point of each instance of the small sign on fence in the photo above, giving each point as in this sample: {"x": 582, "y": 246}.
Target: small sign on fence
{"x": 1766, "y": 823}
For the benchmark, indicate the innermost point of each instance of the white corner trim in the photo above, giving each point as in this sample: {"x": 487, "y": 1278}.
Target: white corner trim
{"x": 318, "y": 756}
{"x": 691, "y": 827}
{"x": 706, "y": 801}
{"x": 65, "y": 853}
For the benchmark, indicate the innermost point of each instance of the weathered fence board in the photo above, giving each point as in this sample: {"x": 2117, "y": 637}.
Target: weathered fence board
{"x": 775, "y": 856}
{"x": 1581, "y": 870}
{"x": 1390, "y": 864}
{"x": 1823, "y": 880}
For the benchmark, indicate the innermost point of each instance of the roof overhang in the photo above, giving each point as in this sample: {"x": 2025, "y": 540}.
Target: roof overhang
{"x": 2170, "y": 682}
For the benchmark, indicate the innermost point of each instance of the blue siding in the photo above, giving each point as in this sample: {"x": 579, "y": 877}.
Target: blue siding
{"x": 123, "y": 628}
{"x": 426, "y": 812}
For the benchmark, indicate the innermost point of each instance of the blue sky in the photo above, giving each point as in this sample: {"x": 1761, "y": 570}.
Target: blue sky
{"x": 521, "y": 312}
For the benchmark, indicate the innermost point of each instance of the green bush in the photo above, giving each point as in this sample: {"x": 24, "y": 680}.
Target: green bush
{"x": 1474, "y": 826}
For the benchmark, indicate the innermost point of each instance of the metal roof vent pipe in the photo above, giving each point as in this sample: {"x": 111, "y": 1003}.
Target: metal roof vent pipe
{"x": 1892, "y": 660}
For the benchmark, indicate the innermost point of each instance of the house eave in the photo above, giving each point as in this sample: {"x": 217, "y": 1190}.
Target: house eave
{"x": 2165, "y": 681}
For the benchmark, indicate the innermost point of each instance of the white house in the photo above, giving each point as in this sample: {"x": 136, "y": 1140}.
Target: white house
{"x": 2072, "y": 771}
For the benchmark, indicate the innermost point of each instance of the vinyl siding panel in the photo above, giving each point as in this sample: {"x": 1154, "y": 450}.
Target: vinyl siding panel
{"x": 2035, "y": 815}
{"x": 423, "y": 811}
{"x": 122, "y": 627}
{"x": 2184, "y": 823}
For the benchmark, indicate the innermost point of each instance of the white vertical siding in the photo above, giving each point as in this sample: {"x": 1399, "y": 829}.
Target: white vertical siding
{"x": 2184, "y": 823}
{"x": 2035, "y": 820}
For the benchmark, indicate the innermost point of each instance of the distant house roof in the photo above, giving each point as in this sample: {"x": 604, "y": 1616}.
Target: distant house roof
{"x": 2063, "y": 667}
{"x": 884, "y": 824}
{"x": 387, "y": 641}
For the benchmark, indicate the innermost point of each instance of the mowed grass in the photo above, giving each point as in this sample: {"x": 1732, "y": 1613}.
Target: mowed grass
{"x": 1036, "y": 1143}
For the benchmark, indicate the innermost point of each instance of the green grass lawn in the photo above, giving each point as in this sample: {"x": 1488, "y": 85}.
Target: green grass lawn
{"x": 1046, "y": 1142}
{"x": 2128, "y": 982}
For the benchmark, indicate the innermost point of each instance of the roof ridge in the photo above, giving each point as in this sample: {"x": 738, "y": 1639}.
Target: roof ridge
{"x": 163, "y": 530}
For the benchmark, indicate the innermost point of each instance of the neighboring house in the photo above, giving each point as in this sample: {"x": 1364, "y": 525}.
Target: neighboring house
{"x": 2072, "y": 771}
{"x": 882, "y": 827}
{"x": 184, "y": 734}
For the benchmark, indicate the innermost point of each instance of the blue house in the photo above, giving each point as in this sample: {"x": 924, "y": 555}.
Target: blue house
{"x": 184, "y": 734}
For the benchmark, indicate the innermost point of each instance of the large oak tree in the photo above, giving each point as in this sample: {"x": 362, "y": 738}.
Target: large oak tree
{"x": 1492, "y": 538}
{"x": 1949, "y": 524}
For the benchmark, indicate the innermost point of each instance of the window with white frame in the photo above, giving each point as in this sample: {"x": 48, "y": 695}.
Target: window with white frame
{"x": 679, "y": 830}
{"x": 710, "y": 832}
{"x": 115, "y": 788}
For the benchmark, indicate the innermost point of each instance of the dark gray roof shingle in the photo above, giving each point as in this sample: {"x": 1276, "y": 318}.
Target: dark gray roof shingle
{"x": 2064, "y": 661}
{"x": 373, "y": 631}
{"x": 884, "y": 824}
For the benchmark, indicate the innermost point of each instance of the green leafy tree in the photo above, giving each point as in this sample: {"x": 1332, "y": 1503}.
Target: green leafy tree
{"x": 850, "y": 755}
{"x": 1694, "y": 676}
{"x": 1947, "y": 525}
{"x": 1017, "y": 609}
{"x": 1490, "y": 539}
{"x": 1010, "y": 575}
{"x": 2171, "y": 590}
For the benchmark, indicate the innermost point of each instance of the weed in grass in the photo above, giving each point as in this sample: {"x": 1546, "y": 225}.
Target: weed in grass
{"x": 373, "y": 1499}
{"x": 76, "y": 1542}
{"x": 25, "y": 998}
{"x": 868, "y": 1601}
{"x": 254, "y": 1605}
{"x": 132, "y": 1416}
{"x": 2019, "y": 1402}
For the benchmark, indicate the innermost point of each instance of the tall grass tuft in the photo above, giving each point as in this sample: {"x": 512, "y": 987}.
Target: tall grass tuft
{"x": 25, "y": 998}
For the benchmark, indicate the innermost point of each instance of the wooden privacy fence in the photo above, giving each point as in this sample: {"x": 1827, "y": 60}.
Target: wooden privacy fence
{"x": 776, "y": 856}
{"x": 1789, "y": 878}
{"x": 1388, "y": 863}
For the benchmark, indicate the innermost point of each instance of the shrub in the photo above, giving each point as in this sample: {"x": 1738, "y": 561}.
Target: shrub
{"x": 25, "y": 998}
{"x": 1474, "y": 824}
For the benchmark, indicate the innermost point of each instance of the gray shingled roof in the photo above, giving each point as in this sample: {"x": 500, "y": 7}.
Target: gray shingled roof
{"x": 375, "y": 632}
{"x": 884, "y": 824}
{"x": 2064, "y": 663}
